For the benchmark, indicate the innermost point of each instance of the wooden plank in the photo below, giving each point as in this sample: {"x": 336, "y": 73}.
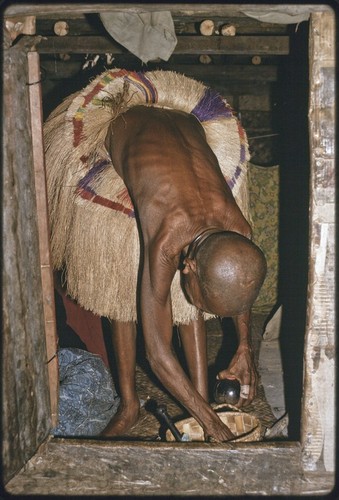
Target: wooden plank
{"x": 91, "y": 8}
{"x": 59, "y": 70}
{"x": 80, "y": 467}
{"x": 177, "y": 9}
{"x": 318, "y": 483}
{"x": 43, "y": 229}
{"x": 230, "y": 72}
{"x": 26, "y": 410}
{"x": 83, "y": 25}
{"x": 250, "y": 45}
{"x": 243, "y": 25}
{"x": 256, "y": 45}
{"x": 256, "y": 120}
{"x": 175, "y": 59}
{"x": 318, "y": 418}
{"x": 255, "y": 103}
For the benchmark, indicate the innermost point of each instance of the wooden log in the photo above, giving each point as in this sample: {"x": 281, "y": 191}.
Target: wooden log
{"x": 65, "y": 57}
{"x": 177, "y": 9}
{"x": 61, "y": 28}
{"x": 256, "y": 60}
{"x": 207, "y": 27}
{"x": 26, "y": 407}
{"x": 20, "y": 25}
{"x": 205, "y": 59}
{"x": 92, "y": 468}
{"x": 250, "y": 45}
{"x": 228, "y": 30}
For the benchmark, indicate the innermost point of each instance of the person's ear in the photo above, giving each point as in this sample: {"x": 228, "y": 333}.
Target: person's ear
{"x": 190, "y": 266}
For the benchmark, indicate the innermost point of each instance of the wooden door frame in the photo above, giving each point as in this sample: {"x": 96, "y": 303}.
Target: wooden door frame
{"x": 216, "y": 463}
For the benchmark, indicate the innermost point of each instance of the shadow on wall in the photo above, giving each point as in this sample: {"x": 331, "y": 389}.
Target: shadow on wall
{"x": 294, "y": 207}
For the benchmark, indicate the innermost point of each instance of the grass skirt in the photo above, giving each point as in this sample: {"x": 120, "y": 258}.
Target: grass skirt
{"x": 94, "y": 235}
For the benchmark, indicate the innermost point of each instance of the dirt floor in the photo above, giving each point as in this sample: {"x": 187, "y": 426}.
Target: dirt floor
{"x": 221, "y": 342}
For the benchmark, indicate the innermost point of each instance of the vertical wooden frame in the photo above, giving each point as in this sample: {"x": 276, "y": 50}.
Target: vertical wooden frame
{"x": 26, "y": 415}
{"x": 318, "y": 418}
{"x": 35, "y": 101}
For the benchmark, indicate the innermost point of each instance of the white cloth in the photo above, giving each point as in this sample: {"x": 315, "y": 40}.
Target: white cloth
{"x": 272, "y": 330}
{"x": 148, "y": 35}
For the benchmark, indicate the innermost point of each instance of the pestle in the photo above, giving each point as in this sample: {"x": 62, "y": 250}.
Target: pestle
{"x": 161, "y": 411}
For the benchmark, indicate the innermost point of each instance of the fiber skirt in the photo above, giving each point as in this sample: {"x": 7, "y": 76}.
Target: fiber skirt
{"x": 94, "y": 235}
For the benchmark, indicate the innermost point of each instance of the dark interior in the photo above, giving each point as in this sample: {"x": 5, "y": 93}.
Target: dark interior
{"x": 277, "y": 129}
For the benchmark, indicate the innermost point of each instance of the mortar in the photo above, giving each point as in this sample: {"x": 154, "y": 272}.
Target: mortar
{"x": 244, "y": 426}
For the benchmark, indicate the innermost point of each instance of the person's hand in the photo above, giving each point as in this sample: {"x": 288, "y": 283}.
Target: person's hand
{"x": 217, "y": 432}
{"x": 242, "y": 368}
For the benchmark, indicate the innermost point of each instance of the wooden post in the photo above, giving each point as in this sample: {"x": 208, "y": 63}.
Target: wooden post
{"x": 318, "y": 419}
{"x": 26, "y": 415}
{"x": 43, "y": 229}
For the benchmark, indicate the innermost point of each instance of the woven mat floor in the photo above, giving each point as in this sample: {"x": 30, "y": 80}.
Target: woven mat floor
{"x": 221, "y": 344}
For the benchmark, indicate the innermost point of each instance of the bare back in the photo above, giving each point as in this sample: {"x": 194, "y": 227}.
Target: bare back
{"x": 172, "y": 175}
{"x": 178, "y": 191}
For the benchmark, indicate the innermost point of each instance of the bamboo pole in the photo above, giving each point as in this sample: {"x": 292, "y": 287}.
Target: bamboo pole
{"x": 43, "y": 228}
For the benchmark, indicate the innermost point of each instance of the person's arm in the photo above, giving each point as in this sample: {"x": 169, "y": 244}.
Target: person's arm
{"x": 242, "y": 366}
{"x": 156, "y": 315}
{"x": 194, "y": 342}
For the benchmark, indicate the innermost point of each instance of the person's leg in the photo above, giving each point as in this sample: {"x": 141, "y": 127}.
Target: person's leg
{"x": 124, "y": 343}
{"x": 194, "y": 342}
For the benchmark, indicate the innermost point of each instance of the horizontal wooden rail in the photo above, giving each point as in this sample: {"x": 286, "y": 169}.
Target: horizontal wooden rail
{"x": 249, "y": 45}
{"x": 58, "y": 70}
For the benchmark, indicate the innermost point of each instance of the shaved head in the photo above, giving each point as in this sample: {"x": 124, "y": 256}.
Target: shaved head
{"x": 231, "y": 270}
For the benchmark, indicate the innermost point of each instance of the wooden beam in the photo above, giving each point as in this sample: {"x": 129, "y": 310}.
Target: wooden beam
{"x": 319, "y": 398}
{"x": 262, "y": 45}
{"x": 67, "y": 467}
{"x": 26, "y": 418}
{"x": 177, "y": 9}
{"x": 248, "y": 45}
{"x": 58, "y": 70}
{"x": 85, "y": 25}
{"x": 230, "y": 72}
{"x": 91, "y": 8}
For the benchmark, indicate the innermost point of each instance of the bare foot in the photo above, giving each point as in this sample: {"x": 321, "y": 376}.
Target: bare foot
{"x": 126, "y": 416}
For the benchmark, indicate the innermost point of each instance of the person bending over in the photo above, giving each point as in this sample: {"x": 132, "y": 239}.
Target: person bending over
{"x": 188, "y": 220}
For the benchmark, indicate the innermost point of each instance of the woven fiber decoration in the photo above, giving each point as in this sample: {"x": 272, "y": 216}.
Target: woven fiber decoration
{"x": 263, "y": 183}
{"x": 94, "y": 236}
